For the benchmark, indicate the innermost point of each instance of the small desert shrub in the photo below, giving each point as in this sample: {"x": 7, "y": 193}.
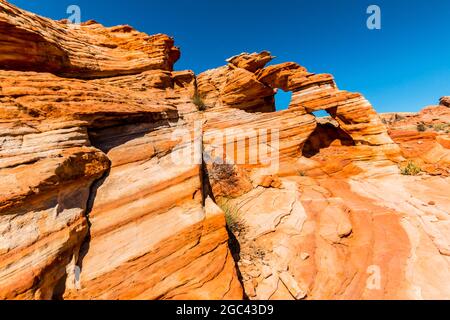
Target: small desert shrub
{"x": 232, "y": 219}
{"x": 232, "y": 216}
{"x": 411, "y": 169}
{"x": 421, "y": 127}
{"x": 301, "y": 173}
{"x": 439, "y": 126}
{"x": 198, "y": 101}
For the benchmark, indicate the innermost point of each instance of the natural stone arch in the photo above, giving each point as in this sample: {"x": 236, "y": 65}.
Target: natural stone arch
{"x": 313, "y": 92}
{"x": 247, "y": 85}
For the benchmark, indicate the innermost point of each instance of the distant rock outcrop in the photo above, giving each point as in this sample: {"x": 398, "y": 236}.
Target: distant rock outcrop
{"x": 423, "y": 137}
{"x": 445, "y": 101}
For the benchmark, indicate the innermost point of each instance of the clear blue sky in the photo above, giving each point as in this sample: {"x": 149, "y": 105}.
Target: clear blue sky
{"x": 402, "y": 67}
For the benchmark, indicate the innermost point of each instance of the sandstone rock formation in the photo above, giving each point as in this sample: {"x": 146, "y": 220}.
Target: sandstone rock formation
{"x": 86, "y": 51}
{"x": 73, "y": 220}
{"x": 238, "y": 87}
{"x": 423, "y": 137}
{"x": 124, "y": 179}
{"x": 445, "y": 101}
{"x": 326, "y": 229}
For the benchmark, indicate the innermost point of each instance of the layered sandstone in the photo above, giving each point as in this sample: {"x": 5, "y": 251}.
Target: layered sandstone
{"x": 81, "y": 51}
{"x": 68, "y": 148}
{"x": 423, "y": 138}
{"x": 124, "y": 179}
{"x": 58, "y": 137}
{"x": 314, "y": 233}
{"x": 245, "y": 84}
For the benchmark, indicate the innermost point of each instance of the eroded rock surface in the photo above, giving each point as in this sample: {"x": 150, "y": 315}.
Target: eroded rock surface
{"x": 73, "y": 220}
{"x": 86, "y": 51}
{"x": 124, "y": 179}
{"x": 423, "y": 138}
{"x": 326, "y": 229}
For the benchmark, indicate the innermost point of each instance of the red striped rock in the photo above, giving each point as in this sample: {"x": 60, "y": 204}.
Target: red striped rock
{"x": 42, "y": 221}
{"x": 63, "y": 144}
{"x": 123, "y": 179}
{"x": 88, "y": 51}
{"x": 251, "y": 62}
{"x": 337, "y": 239}
{"x": 314, "y": 92}
{"x": 423, "y": 138}
{"x": 236, "y": 87}
{"x": 169, "y": 244}
{"x": 65, "y": 147}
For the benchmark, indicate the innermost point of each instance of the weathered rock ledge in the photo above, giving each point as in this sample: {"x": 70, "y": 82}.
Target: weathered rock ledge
{"x": 123, "y": 179}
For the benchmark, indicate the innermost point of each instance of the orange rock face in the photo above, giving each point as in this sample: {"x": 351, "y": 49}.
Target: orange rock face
{"x": 124, "y": 179}
{"x": 337, "y": 224}
{"x": 73, "y": 218}
{"x": 423, "y": 138}
{"x": 85, "y": 51}
{"x": 245, "y": 84}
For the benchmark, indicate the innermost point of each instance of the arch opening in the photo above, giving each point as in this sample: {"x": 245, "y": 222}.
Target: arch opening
{"x": 282, "y": 100}
{"x": 321, "y": 114}
{"x": 326, "y": 135}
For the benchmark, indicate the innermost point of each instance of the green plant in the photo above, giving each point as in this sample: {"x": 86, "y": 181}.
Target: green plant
{"x": 421, "y": 127}
{"x": 198, "y": 101}
{"x": 439, "y": 126}
{"x": 232, "y": 216}
{"x": 301, "y": 173}
{"x": 411, "y": 169}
